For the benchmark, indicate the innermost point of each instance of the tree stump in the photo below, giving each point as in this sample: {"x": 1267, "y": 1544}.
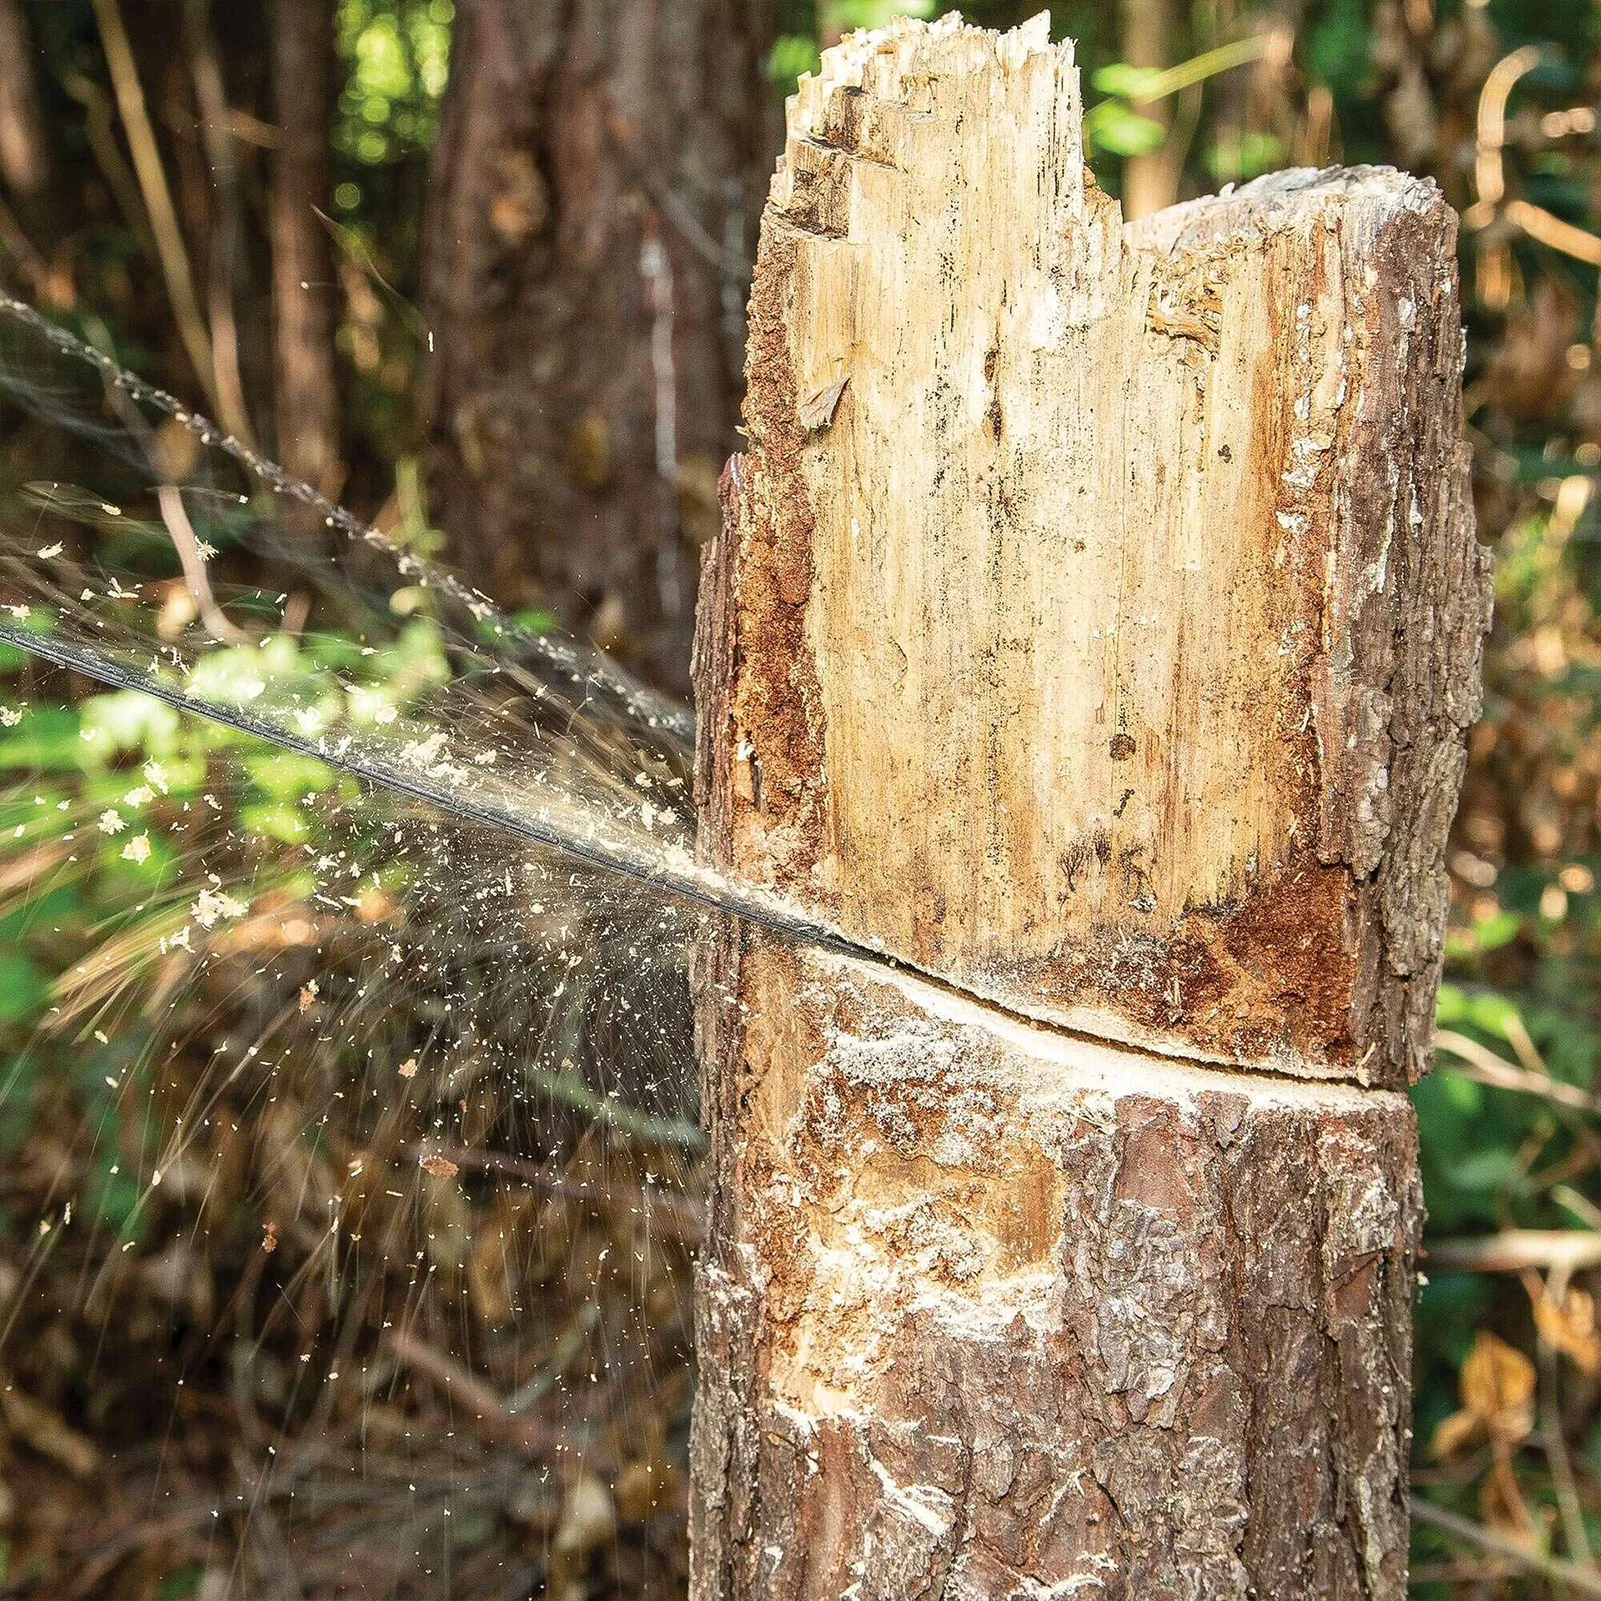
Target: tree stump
{"x": 1093, "y": 633}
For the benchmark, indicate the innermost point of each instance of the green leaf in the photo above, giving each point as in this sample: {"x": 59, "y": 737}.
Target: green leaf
{"x": 1340, "y": 46}
{"x": 792, "y": 54}
{"x": 61, "y": 905}
{"x": 1492, "y": 1012}
{"x": 285, "y": 776}
{"x": 45, "y": 740}
{"x": 1487, "y": 934}
{"x": 24, "y": 989}
{"x": 1113, "y": 127}
{"x": 536, "y": 620}
{"x": 279, "y": 822}
{"x": 128, "y": 720}
{"x": 1487, "y": 1171}
{"x": 1126, "y": 82}
{"x": 183, "y": 1584}
{"x": 1450, "y": 1006}
{"x": 1234, "y": 160}
{"x": 1465, "y": 1095}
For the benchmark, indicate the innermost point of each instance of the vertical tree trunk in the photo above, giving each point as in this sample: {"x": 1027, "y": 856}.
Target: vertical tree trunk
{"x": 1094, "y": 629}
{"x": 302, "y": 261}
{"x": 24, "y": 161}
{"x": 222, "y": 177}
{"x": 593, "y": 199}
{"x": 1149, "y": 32}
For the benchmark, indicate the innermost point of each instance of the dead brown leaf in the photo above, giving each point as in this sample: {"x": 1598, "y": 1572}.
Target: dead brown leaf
{"x": 1497, "y": 1389}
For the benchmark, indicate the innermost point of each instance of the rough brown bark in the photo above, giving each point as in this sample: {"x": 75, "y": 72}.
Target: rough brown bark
{"x": 304, "y": 289}
{"x": 593, "y": 199}
{"x": 1095, "y": 626}
{"x": 991, "y": 1312}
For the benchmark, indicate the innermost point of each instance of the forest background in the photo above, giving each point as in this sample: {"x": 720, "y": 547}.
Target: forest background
{"x": 477, "y": 268}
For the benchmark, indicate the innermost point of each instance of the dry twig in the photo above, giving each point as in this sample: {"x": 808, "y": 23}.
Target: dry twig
{"x": 1514, "y": 1250}
{"x": 1526, "y": 1556}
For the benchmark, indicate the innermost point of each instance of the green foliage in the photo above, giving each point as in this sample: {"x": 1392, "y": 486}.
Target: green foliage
{"x": 792, "y": 55}
{"x": 1524, "y": 943}
{"x": 1239, "y": 158}
{"x": 397, "y": 56}
{"x": 852, "y": 14}
{"x": 24, "y": 987}
{"x": 1113, "y": 127}
{"x": 795, "y": 50}
{"x": 1337, "y": 49}
{"x": 107, "y": 787}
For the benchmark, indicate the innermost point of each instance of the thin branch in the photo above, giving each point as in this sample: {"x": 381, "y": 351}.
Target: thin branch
{"x": 99, "y": 121}
{"x": 1221, "y": 58}
{"x": 1527, "y": 1557}
{"x": 182, "y": 534}
{"x": 1561, "y": 1463}
{"x": 1550, "y": 1293}
{"x": 157, "y": 195}
{"x": 1483, "y": 1066}
{"x": 1489, "y": 168}
{"x": 1513, "y": 1250}
{"x": 176, "y": 518}
{"x": 488, "y": 1406}
{"x": 1551, "y": 230}
{"x": 1489, "y": 173}
{"x": 683, "y": 1216}
{"x": 217, "y": 135}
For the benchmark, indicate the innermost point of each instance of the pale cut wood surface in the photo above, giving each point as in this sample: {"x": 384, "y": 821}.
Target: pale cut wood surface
{"x": 1105, "y": 604}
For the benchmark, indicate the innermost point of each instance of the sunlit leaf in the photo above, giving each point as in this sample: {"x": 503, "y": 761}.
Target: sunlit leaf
{"x": 1114, "y": 127}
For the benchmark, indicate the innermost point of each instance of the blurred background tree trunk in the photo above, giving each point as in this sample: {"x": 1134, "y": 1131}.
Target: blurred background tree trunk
{"x": 599, "y": 169}
{"x": 24, "y": 163}
{"x": 1150, "y": 31}
{"x": 304, "y": 285}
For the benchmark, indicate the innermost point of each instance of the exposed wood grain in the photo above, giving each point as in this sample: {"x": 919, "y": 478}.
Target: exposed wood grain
{"x": 1125, "y": 577}
{"x": 1094, "y": 625}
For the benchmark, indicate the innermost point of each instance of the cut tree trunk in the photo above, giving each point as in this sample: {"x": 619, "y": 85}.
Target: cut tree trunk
{"x": 1093, "y": 632}
{"x": 304, "y": 286}
{"x": 593, "y": 201}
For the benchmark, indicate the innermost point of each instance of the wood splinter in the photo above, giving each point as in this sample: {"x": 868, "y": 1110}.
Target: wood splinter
{"x": 1103, "y": 648}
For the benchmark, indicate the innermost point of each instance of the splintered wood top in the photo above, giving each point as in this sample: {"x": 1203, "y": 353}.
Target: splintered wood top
{"x": 1098, "y": 610}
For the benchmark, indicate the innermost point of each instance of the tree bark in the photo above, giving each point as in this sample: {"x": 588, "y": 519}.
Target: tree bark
{"x": 592, "y": 208}
{"x": 1002, "y": 1308}
{"x": 1094, "y": 631}
{"x": 304, "y": 303}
